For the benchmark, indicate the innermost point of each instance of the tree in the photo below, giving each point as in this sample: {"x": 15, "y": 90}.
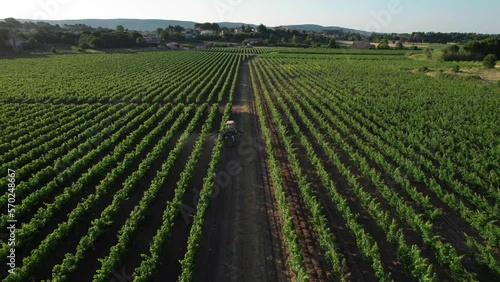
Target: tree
{"x": 383, "y": 46}
{"x": 399, "y": 45}
{"x": 164, "y": 35}
{"x": 472, "y": 47}
{"x": 207, "y": 26}
{"x": 120, "y": 28}
{"x": 308, "y": 41}
{"x": 453, "y": 49}
{"x": 95, "y": 42}
{"x": 4, "y": 34}
{"x": 84, "y": 46}
{"x": 141, "y": 42}
{"x": 271, "y": 40}
{"x": 247, "y": 28}
{"x": 174, "y": 29}
{"x": 11, "y": 22}
{"x": 491, "y": 46}
{"x": 31, "y": 44}
{"x": 295, "y": 40}
{"x": 53, "y": 50}
{"x": 490, "y": 61}
{"x": 216, "y": 27}
{"x": 262, "y": 29}
{"x": 332, "y": 43}
{"x": 135, "y": 35}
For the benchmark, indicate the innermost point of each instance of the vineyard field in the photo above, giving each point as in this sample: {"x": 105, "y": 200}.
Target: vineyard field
{"x": 353, "y": 166}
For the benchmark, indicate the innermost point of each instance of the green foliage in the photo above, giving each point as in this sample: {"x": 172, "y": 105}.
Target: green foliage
{"x": 428, "y": 52}
{"x": 423, "y": 69}
{"x": 383, "y": 46}
{"x": 456, "y": 68}
{"x": 4, "y": 48}
{"x": 188, "y": 262}
{"x": 53, "y": 50}
{"x": 399, "y": 45}
{"x": 490, "y": 61}
{"x": 203, "y": 26}
{"x": 368, "y": 130}
{"x": 134, "y": 35}
{"x": 308, "y": 41}
{"x": 4, "y": 34}
{"x": 310, "y": 89}
{"x": 473, "y": 50}
{"x": 112, "y": 137}
{"x": 11, "y": 23}
{"x": 95, "y": 42}
{"x": 262, "y": 29}
{"x": 108, "y": 39}
{"x": 246, "y": 28}
{"x": 84, "y": 46}
{"x": 452, "y": 49}
{"x": 77, "y": 49}
{"x": 141, "y": 42}
{"x": 31, "y": 44}
{"x": 332, "y": 43}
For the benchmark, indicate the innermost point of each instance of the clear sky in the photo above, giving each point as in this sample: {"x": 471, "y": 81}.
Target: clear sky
{"x": 482, "y": 16}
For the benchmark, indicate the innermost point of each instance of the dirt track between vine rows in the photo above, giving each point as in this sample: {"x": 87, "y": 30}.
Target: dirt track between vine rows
{"x": 242, "y": 234}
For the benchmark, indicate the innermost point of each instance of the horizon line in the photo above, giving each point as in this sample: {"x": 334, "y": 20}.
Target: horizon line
{"x": 282, "y": 25}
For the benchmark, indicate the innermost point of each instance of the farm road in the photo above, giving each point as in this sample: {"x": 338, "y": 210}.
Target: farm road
{"x": 241, "y": 240}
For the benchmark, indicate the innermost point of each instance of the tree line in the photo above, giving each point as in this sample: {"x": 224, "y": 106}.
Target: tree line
{"x": 36, "y": 34}
{"x": 487, "y": 50}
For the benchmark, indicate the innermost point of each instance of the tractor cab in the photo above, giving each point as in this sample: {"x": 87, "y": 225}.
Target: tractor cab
{"x": 230, "y": 126}
{"x": 230, "y": 132}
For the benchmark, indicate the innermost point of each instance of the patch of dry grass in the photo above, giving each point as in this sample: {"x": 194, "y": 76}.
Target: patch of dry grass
{"x": 492, "y": 75}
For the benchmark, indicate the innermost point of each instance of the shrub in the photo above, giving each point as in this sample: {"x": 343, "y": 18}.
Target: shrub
{"x": 53, "y": 50}
{"x": 428, "y": 52}
{"x": 332, "y": 43}
{"x": 85, "y": 46}
{"x": 456, "y": 68}
{"x": 490, "y": 61}
{"x": 453, "y": 49}
{"x": 76, "y": 49}
{"x": 96, "y": 43}
{"x": 383, "y": 46}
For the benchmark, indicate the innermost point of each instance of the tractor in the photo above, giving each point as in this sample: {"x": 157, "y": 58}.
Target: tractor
{"x": 229, "y": 133}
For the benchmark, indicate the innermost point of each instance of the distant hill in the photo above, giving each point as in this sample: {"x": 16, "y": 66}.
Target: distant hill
{"x": 234, "y": 25}
{"x": 151, "y": 25}
{"x": 315, "y": 27}
{"x": 131, "y": 24}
